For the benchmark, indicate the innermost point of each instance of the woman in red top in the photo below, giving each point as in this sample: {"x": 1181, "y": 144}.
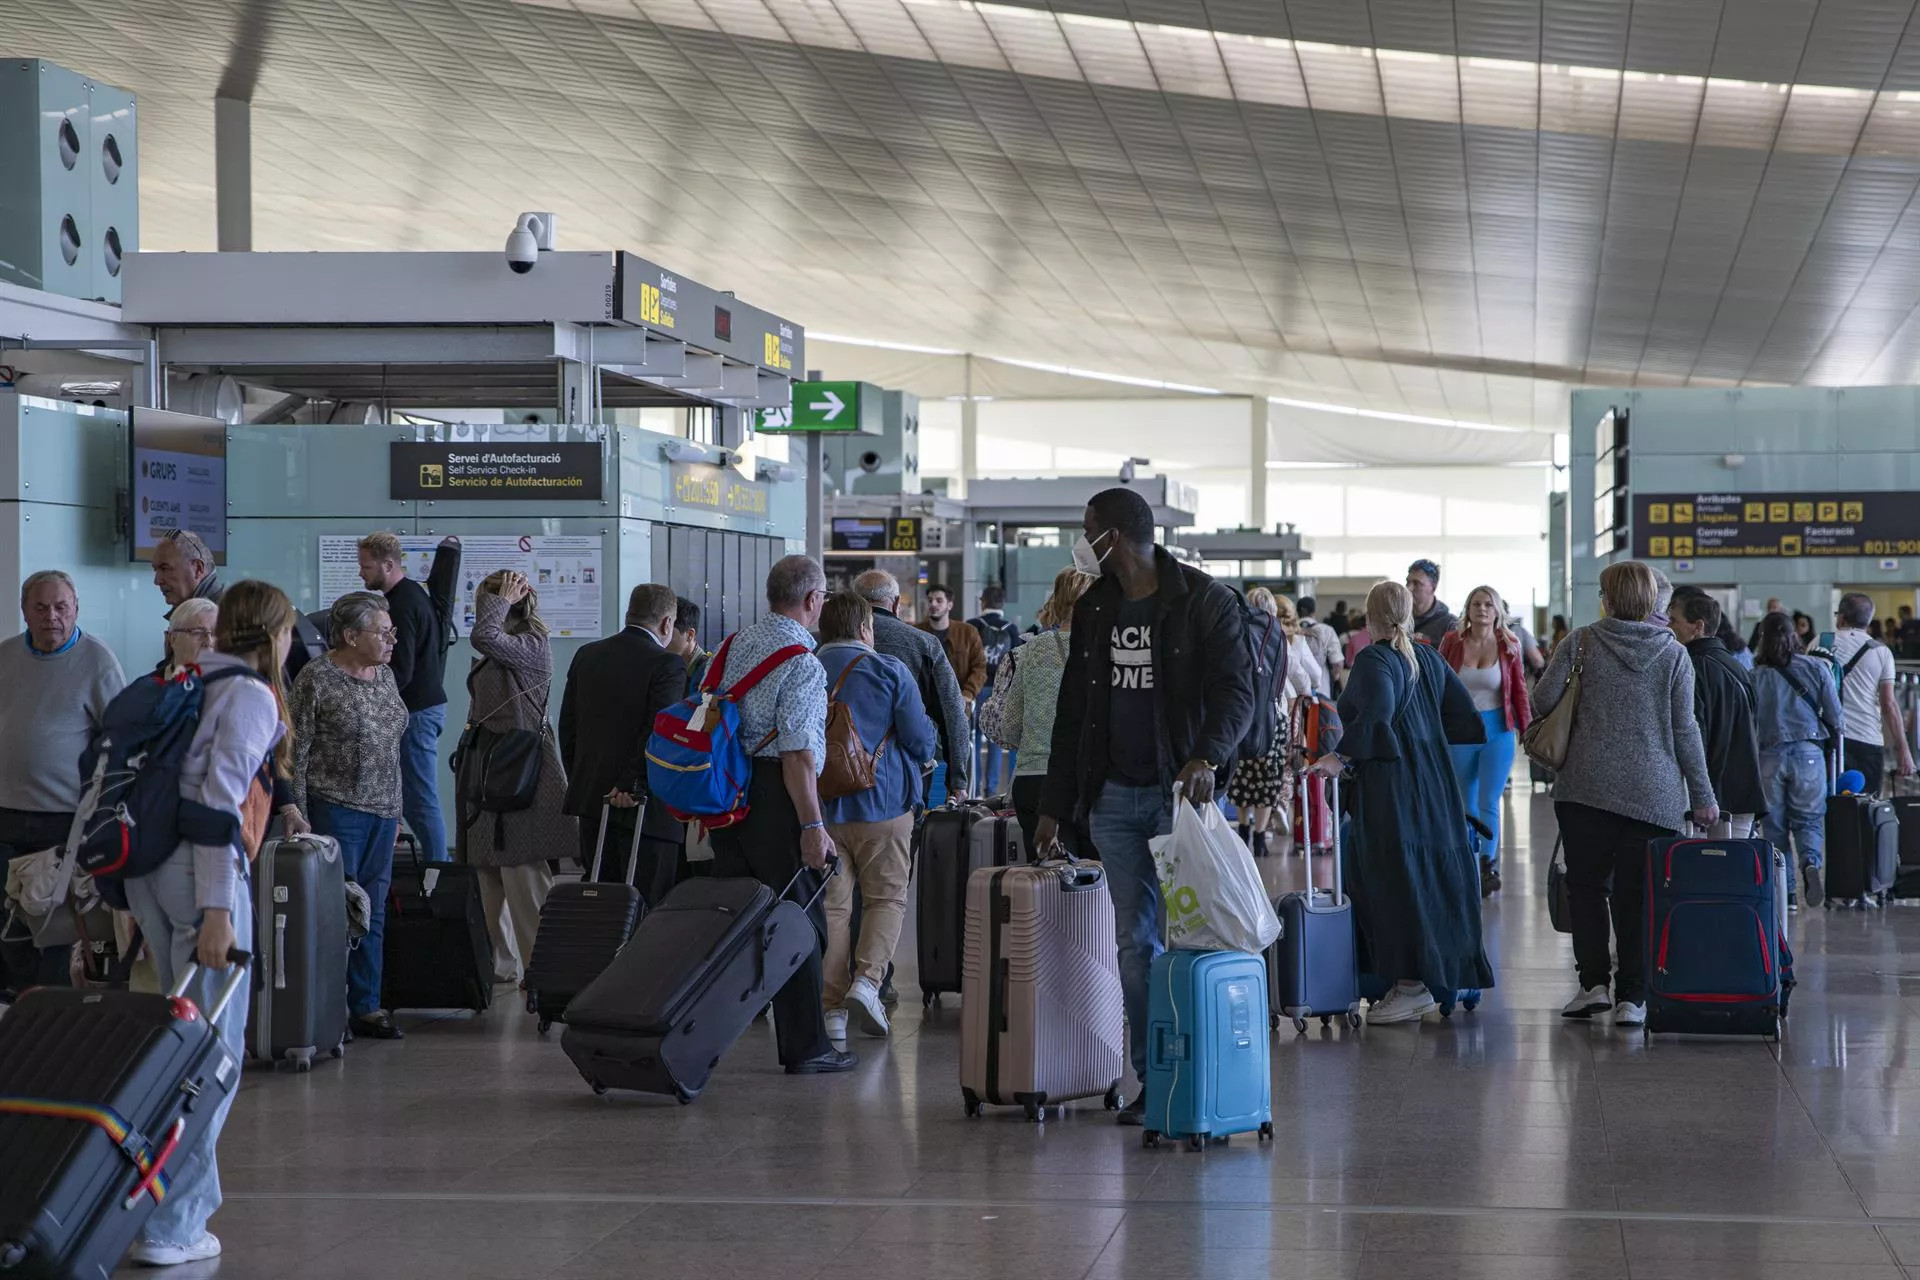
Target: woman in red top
{"x": 1486, "y": 654}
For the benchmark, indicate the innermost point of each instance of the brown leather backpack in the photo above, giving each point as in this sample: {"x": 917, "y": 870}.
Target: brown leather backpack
{"x": 851, "y": 768}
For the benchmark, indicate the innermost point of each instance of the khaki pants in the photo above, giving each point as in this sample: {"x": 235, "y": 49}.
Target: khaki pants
{"x": 876, "y": 855}
{"x": 511, "y": 898}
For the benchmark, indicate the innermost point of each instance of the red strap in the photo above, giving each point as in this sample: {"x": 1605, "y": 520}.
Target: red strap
{"x": 716, "y": 667}
{"x": 767, "y": 664}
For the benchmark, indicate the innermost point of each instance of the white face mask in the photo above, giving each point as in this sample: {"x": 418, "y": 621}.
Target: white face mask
{"x": 1085, "y": 559}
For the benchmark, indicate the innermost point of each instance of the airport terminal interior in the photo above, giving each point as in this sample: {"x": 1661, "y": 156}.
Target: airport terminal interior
{"x": 1550, "y": 356}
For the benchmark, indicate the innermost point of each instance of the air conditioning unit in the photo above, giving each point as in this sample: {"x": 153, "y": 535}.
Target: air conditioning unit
{"x": 69, "y": 205}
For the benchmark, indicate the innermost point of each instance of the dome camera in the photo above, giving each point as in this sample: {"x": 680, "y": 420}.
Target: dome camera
{"x": 531, "y": 236}
{"x": 869, "y": 462}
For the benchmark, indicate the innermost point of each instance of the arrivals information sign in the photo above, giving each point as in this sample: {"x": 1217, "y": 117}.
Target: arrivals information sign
{"x": 1758, "y": 526}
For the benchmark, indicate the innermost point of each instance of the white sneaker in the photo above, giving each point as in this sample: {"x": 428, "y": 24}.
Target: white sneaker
{"x": 863, "y": 1001}
{"x": 1401, "y": 1005}
{"x": 1629, "y": 1014}
{"x": 837, "y": 1025}
{"x": 172, "y": 1255}
{"x": 1589, "y": 1002}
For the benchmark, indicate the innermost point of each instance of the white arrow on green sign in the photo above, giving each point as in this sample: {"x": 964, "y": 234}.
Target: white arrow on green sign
{"x": 852, "y": 407}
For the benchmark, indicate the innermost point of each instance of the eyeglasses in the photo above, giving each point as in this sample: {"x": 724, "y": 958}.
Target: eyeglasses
{"x": 386, "y": 633}
{"x": 201, "y": 632}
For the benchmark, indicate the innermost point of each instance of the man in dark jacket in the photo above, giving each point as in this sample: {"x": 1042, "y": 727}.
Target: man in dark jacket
{"x": 1723, "y": 704}
{"x": 419, "y": 669}
{"x": 1156, "y": 691}
{"x": 1431, "y": 617}
{"x": 615, "y": 688}
{"x": 926, "y": 658}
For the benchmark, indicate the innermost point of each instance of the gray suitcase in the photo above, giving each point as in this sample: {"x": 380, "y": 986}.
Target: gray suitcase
{"x": 300, "y": 922}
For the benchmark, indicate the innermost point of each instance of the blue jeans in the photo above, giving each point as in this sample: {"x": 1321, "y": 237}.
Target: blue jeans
{"x": 366, "y": 854}
{"x": 420, "y": 781}
{"x": 1121, "y": 822}
{"x": 1793, "y": 777}
{"x": 166, "y": 905}
{"x": 987, "y": 755}
{"x": 1482, "y": 769}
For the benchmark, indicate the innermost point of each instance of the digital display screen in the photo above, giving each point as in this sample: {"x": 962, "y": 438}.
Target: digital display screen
{"x": 723, "y": 324}
{"x": 179, "y": 479}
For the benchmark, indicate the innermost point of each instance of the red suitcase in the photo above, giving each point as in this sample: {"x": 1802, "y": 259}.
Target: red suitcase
{"x": 98, "y": 1091}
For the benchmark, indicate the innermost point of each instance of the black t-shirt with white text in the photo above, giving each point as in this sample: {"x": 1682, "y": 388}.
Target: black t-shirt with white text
{"x": 1133, "y": 732}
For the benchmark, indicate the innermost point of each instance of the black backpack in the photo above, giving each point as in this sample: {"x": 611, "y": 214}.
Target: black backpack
{"x": 1267, "y": 661}
{"x": 999, "y": 639}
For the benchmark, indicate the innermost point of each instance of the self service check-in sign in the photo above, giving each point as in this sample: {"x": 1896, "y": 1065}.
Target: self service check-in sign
{"x": 492, "y": 472}
{"x": 1709, "y": 526}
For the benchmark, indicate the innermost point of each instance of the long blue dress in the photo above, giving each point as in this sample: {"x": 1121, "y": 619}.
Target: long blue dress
{"x": 1411, "y": 867}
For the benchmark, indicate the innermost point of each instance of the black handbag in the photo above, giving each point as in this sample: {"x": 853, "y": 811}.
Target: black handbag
{"x": 497, "y": 772}
{"x": 1559, "y": 907}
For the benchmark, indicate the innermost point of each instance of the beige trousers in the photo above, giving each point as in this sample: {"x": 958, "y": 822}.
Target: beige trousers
{"x": 511, "y": 898}
{"x": 876, "y": 856}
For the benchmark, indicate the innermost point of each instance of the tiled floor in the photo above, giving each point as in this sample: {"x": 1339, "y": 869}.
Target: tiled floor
{"x": 1498, "y": 1144}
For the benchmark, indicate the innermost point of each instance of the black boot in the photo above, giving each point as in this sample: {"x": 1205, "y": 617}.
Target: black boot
{"x": 1259, "y": 844}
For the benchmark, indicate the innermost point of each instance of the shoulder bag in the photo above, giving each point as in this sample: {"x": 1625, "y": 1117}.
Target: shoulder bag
{"x": 1548, "y": 739}
{"x": 498, "y": 772}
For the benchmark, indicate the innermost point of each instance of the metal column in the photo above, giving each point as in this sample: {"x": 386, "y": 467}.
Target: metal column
{"x": 816, "y": 498}
{"x": 1257, "y": 463}
{"x": 233, "y": 174}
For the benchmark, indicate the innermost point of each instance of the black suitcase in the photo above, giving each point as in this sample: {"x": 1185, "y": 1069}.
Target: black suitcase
{"x": 98, "y": 1090}
{"x": 300, "y": 927}
{"x": 438, "y": 953}
{"x": 698, "y": 970}
{"x": 582, "y": 927}
{"x": 1863, "y": 848}
{"x": 950, "y": 851}
{"x": 1906, "y": 811}
{"x": 1313, "y": 969}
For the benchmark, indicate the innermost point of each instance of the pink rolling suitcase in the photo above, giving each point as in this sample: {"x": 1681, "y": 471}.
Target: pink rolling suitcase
{"x": 1041, "y": 1018}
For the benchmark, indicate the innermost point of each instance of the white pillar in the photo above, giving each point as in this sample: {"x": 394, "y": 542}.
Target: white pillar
{"x": 1257, "y": 462}
{"x": 233, "y": 174}
{"x": 969, "y": 432}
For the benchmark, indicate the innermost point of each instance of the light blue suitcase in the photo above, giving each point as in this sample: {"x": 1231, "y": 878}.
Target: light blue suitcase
{"x": 1208, "y": 1074}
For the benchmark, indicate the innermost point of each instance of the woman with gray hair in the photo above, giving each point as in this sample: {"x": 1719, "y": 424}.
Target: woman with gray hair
{"x": 348, "y": 720}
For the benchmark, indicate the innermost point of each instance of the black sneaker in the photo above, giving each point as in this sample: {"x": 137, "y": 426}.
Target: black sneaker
{"x": 888, "y": 996}
{"x": 378, "y": 1025}
{"x": 831, "y": 1062}
{"x": 1134, "y": 1113}
{"x": 1815, "y": 892}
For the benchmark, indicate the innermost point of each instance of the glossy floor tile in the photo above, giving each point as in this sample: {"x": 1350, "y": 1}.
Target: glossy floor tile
{"x": 1500, "y": 1143}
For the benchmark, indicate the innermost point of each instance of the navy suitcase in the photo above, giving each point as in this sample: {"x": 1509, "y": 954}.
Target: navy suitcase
{"x": 1312, "y": 968}
{"x": 98, "y": 1090}
{"x": 1208, "y": 1071}
{"x": 438, "y": 954}
{"x": 583, "y": 925}
{"x": 1716, "y": 962}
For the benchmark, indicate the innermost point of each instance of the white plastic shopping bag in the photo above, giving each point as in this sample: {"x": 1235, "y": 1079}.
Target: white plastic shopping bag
{"x": 1212, "y": 890}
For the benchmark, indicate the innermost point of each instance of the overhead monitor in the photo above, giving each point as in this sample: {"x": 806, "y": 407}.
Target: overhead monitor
{"x": 179, "y": 479}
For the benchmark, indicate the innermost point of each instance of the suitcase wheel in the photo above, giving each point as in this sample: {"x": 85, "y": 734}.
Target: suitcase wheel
{"x": 1113, "y": 1101}
{"x": 1196, "y": 1141}
{"x": 1326, "y": 1020}
{"x": 303, "y": 1063}
{"x": 684, "y": 1098}
{"x": 1266, "y": 1131}
{"x": 1470, "y": 1003}
{"x": 1300, "y": 1026}
{"x": 974, "y": 1107}
{"x": 1036, "y": 1113}
{"x": 1273, "y": 1022}
{"x": 339, "y": 1050}
{"x": 1353, "y": 1019}
{"x": 928, "y": 999}
{"x": 546, "y": 1025}
{"x": 1149, "y": 1137}
{"x": 533, "y": 1001}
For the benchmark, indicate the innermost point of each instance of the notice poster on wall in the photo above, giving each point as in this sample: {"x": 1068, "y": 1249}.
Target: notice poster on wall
{"x": 565, "y": 572}
{"x": 179, "y": 479}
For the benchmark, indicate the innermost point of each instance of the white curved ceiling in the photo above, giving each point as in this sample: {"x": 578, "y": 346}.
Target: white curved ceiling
{"x": 1452, "y": 210}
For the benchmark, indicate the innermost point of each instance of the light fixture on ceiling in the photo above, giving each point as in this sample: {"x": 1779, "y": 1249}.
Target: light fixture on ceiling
{"x": 532, "y": 235}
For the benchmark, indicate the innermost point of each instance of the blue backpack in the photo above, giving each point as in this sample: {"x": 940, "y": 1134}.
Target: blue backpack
{"x": 696, "y": 764}
{"x": 132, "y": 816}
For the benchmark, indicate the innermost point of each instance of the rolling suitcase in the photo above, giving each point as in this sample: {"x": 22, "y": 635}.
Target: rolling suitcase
{"x": 955, "y": 841}
{"x": 300, "y": 922}
{"x": 1863, "y": 848}
{"x": 98, "y": 1090}
{"x": 1312, "y": 968}
{"x": 698, "y": 970}
{"x": 1716, "y": 961}
{"x": 1042, "y": 1019}
{"x": 1906, "y": 811}
{"x": 1207, "y": 1067}
{"x": 438, "y": 953}
{"x": 582, "y": 928}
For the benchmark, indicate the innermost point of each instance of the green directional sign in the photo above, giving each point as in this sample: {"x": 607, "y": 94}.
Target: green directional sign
{"x": 849, "y": 407}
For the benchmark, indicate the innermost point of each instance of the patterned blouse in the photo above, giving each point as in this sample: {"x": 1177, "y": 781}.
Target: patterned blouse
{"x": 791, "y": 703}
{"x": 1036, "y": 668}
{"x": 346, "y": 738}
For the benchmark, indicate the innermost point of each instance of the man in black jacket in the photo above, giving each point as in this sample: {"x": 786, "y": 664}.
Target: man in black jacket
{"x": 419, "y": 668}
{"x": 1723, "y": 704}
{"x": 1156, "y": 691}
{"x": 615, "y": 688}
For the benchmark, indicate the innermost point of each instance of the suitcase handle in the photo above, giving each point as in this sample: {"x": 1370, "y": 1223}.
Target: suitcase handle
{"x": 237, "y": 962}
{"x": 633, "y": 850}
{"x": 1077, "y": 875}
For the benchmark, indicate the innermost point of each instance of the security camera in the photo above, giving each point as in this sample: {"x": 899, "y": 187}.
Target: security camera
{"x": 777, "y": 472}
{"x": 869, "y": 462}
{"x": 531, "y": 236}
{"x": 682, "y": 451}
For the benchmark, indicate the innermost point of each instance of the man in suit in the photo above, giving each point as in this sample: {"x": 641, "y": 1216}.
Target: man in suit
{"x": 615, "y": 688}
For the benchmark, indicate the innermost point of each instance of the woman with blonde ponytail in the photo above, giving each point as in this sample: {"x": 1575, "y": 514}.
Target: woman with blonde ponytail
{"x": 1410, "y": 867}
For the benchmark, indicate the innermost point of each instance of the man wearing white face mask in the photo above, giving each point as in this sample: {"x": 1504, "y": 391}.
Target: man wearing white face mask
{"x": 1156, "y": 691}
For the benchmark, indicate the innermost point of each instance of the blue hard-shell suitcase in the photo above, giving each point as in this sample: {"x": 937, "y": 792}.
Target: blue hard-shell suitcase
{"x": 1312, "y": 968}
{"x": 1716, "y": 962}
{"x": 1207, "y": 1067}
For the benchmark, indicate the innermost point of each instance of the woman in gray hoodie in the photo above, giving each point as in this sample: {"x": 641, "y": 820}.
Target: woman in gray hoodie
{"x": 1635, "y": 767}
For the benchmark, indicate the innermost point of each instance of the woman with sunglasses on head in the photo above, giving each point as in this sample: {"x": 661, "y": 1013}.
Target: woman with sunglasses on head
{"x": 1486, "y": 654}
{"x": 348, "y": 721}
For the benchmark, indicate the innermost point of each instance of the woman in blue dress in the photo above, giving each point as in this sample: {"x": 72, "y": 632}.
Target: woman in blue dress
{"x": 1411, "y": 868}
